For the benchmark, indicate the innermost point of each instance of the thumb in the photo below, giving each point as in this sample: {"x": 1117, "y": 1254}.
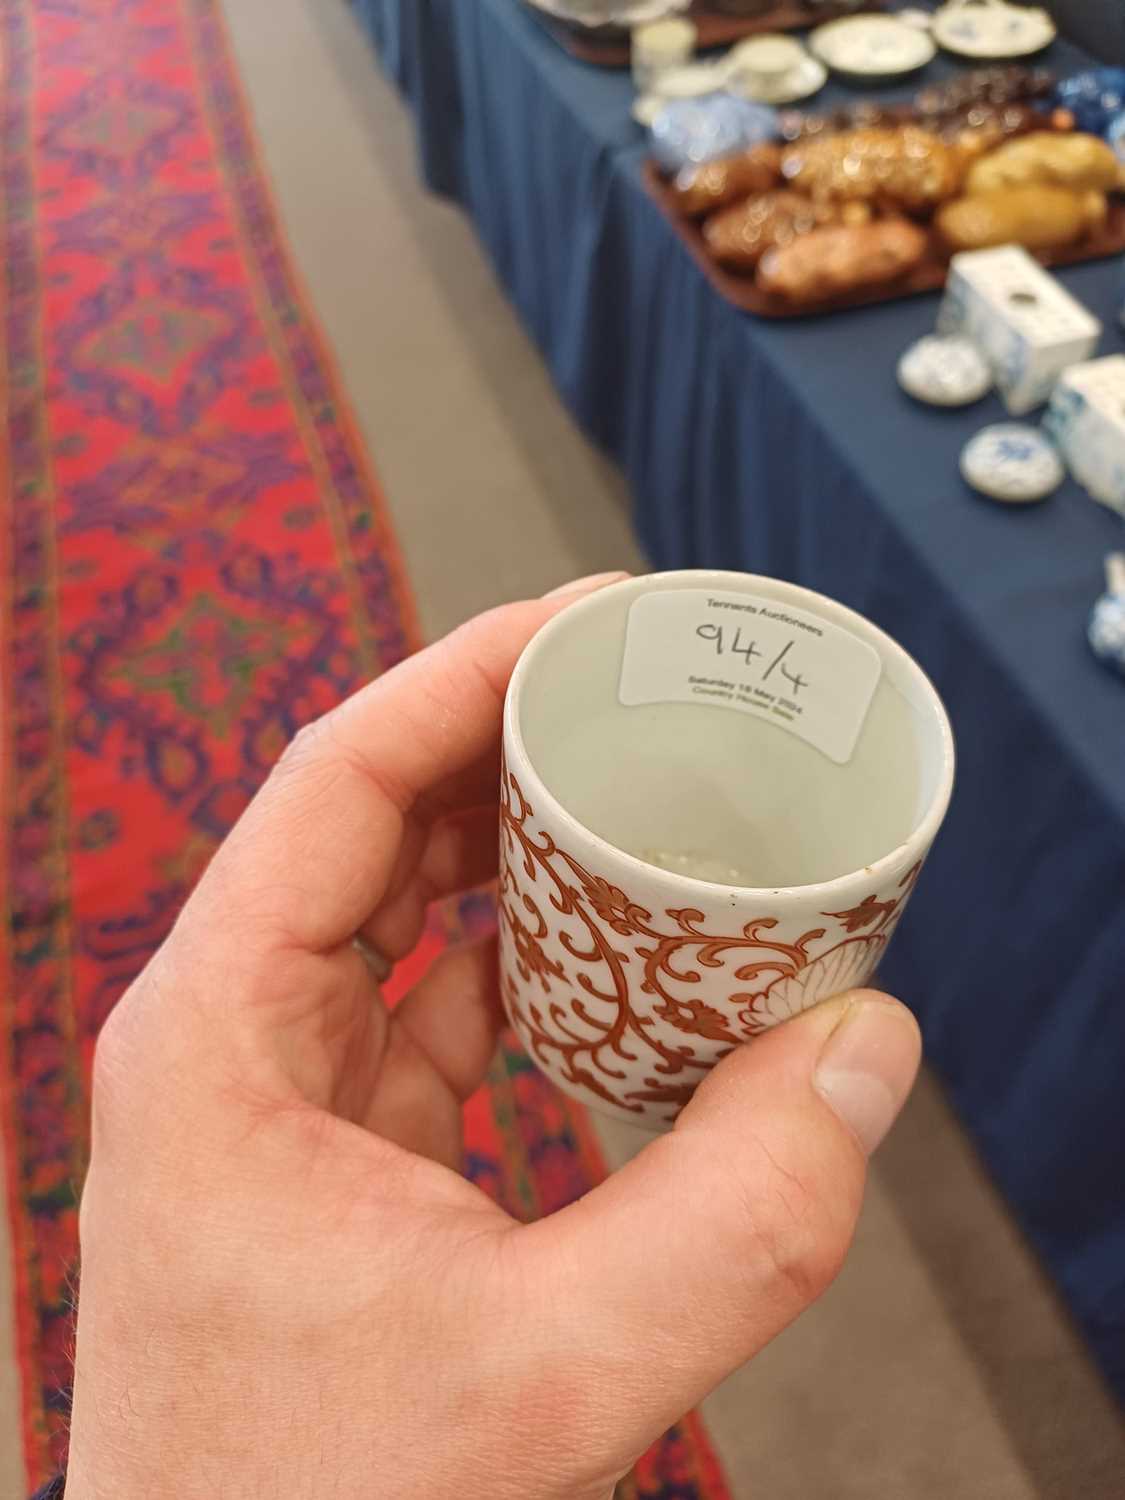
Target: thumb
{"x": 684, "y": 1264}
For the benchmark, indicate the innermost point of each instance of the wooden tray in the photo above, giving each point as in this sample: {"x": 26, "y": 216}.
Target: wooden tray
{"x": 608, "y": 46}
{"x": 928, "y": 276}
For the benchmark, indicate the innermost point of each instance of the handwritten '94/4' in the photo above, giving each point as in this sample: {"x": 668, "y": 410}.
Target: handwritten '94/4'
{"x": 723, "y": 646}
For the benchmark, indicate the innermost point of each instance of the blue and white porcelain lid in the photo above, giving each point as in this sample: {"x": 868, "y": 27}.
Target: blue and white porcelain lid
{"x": 1013, "y": 463}
{"x": 945, "y": 371}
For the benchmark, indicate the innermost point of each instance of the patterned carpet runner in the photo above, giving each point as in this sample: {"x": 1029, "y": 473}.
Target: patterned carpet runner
{"x": 196, "y": 560}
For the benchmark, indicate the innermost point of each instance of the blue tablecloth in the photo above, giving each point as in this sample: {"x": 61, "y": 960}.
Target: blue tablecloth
{"x": 787, "y": 448}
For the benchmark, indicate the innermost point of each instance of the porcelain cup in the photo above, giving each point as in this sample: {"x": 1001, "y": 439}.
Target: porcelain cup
{"x": 764, "y": 62}
{"x": 717, "y": 794}
{"x": 659, "y": 48}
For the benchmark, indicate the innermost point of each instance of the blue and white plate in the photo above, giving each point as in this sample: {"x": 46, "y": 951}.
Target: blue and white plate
{"x": 990, "y": 30}
{"x": 872, "y": 47}
{"x": 949, "y": 371}
{"x": 1012, "y": 463}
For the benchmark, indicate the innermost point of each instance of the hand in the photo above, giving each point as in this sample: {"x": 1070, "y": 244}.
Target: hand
{"x": 287, "y": 1290}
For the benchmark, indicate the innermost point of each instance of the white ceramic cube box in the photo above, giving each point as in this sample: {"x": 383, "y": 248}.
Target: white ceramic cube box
{"x": 1086, "y": 419}
{"x": 1028, "y": 326}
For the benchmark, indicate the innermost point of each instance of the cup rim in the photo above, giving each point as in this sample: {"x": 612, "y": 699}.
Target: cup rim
{"x": 540, "y": 796}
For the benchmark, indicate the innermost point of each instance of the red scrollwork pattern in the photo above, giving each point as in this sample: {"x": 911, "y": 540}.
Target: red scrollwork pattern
{"x": 600, "y": 989}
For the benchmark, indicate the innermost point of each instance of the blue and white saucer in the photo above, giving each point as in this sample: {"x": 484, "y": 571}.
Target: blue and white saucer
{"x": 1012, "y": 463}
{"x": 945, "y": 371}
{"x": 991, "y": 30}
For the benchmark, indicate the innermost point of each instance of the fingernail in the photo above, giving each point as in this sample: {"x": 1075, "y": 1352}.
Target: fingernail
{"x": 588, "y": 585}
{"x": 867, "y": 1066}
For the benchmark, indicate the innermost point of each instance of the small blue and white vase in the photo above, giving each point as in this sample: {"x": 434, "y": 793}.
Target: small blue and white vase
{"x": 1106, "y": 631}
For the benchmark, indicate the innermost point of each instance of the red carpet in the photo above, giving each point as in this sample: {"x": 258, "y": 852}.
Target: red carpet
{"x": 196, "y": 560}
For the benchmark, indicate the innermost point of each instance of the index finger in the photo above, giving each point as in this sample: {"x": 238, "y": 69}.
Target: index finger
{"x": 310, "y": 858}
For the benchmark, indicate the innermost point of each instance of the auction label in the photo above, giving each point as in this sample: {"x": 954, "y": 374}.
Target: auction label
{"x": 753, "y": 654}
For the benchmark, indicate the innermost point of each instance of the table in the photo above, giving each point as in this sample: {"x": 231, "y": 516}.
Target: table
{"x": 788, "y": 449}
{"x": 1098, "y": 25}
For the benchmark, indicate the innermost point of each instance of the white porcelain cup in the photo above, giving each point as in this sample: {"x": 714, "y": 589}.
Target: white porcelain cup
{"x": 717, "y": 794}
{"x": 659, "y": 47}
{"x": 764, "y": 61}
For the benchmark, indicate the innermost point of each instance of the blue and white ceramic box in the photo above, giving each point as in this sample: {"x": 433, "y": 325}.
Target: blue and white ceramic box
{"x": 1027, "y": 325}
{"x": 1086, "y": 419}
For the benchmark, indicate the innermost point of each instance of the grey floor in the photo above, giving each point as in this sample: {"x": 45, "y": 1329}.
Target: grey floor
{"x": 941, "y": 1365}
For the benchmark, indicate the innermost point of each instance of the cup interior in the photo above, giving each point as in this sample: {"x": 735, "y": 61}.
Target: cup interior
{"x": 717, "y": 794}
